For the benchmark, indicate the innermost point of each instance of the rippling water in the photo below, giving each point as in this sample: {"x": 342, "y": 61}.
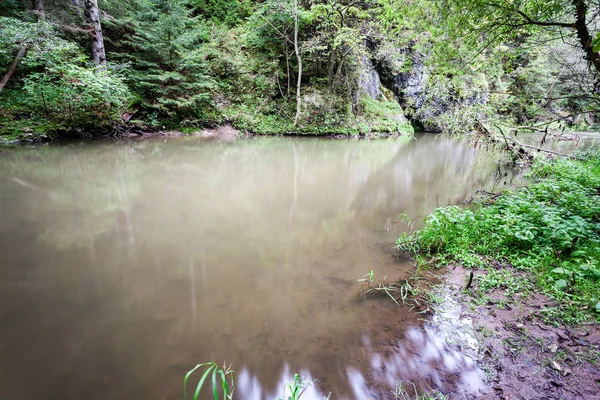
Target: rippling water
{"x": 123, "y": 264}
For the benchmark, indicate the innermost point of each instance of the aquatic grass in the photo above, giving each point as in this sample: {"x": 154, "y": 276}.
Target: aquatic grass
{"x": 223, "y": 382}
{"x": 401, "y": 393}
{"x": 397, "y": 291}
{"x": 549, "y": 229}
{"x": 219, "y": 381}
{"x": 295, "y": 388}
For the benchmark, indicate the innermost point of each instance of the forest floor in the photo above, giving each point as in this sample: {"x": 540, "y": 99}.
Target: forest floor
{"x": 522, "y": 356}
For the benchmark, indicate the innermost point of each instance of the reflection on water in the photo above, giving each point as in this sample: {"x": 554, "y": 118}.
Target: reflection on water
{"x": 124, "y": 264}
{"x": 566, "y": 143}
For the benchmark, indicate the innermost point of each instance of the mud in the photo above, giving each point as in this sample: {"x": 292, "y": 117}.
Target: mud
{"x": 524, "y": 358}
{"x": 224, "y": 132}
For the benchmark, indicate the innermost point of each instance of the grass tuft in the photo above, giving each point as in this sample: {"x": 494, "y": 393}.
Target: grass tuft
{"x": 222, "y": 381}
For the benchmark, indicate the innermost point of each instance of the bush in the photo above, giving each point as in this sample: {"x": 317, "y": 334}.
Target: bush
{"x": 551, "y": 228}
{"x": 69, "y": 96}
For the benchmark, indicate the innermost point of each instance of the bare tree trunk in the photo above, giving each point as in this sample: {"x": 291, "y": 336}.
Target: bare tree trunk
{"x": 92, "y": 17}
{"x": 297, "y": 50}
{"x": 13, "y": 67}
{"x": 38, "y": 6}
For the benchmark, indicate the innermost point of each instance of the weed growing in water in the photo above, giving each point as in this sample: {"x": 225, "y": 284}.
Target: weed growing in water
{"x": 396, "y": 290}
{"x": 400, "y": 393}
{"x": 295, "y": 388}
{"x": 223, "y": 382}
{"x": 550, "y": 228}
{"x": 222, "y": 379}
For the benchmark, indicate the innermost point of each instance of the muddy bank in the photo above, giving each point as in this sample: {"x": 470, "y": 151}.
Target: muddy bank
{"x": 523, "y": 357}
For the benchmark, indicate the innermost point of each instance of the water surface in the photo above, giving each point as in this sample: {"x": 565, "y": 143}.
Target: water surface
{"x": 123, "y": 264}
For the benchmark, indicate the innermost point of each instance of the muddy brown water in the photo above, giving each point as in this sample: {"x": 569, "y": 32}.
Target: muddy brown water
{"x": 123, "y": 264}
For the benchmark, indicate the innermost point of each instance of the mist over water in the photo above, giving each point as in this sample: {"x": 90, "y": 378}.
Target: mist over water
{"x": 124, "y": 264}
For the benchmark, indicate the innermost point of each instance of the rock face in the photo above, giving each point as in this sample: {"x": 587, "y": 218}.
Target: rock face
{"x": 409, "y": 86}
{"x": 404, "y": 73}
{"x": 369, "y": 79}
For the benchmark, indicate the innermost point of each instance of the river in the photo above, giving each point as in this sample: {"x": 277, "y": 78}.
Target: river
{"x": 123, "y": 264}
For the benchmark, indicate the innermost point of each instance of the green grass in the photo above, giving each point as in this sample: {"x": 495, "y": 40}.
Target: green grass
{"x": 549, "y": 230}
{"x": 400, "y": 392}
{"x": 295, "y": 388}
{"x": 222, "y": 381}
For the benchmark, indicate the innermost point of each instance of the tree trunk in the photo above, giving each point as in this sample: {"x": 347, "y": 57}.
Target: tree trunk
{"x": 92, "y": 17}
{"x": 297, "y": 50}
{"x": 584, "y": 34}
{"x": 38, "y": 6}
{"x": 13, "y": 67}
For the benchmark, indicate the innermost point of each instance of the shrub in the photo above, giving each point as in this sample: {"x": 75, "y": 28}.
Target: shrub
{"x": 73, "y": 96}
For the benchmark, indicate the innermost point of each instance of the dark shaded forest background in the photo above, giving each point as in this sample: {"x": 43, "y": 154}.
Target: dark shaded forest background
{"x": 285, "y": 66}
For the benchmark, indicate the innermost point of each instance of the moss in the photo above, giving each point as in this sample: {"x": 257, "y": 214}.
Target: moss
{"x": 377, "y": 117}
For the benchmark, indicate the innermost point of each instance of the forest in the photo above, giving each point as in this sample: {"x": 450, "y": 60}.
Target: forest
{"x": 303, "y": 67}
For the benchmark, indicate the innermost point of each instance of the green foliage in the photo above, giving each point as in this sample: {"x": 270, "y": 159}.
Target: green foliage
{"x": 60, "y": 90}
{"x": 70, "y": 96}
{"x": 164, "y": 46}
{"x": 596, "y": 43}
{"x": 551, "y": 228}
{"x": 229, "y": 12}
{"x": 203, "y": 62}
{"x": 44, "y": 46}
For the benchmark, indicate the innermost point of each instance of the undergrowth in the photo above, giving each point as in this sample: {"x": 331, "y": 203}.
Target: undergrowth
{"x": 550, "y": 229}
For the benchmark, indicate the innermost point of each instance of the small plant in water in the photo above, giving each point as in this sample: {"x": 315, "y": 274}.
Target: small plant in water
{"x": 296, "y": 388}
{"x": 390, "y": 289}
{"x": 400, "y": 393}
{"x": 222, "y": 380}
{"x": 368, "y": 277}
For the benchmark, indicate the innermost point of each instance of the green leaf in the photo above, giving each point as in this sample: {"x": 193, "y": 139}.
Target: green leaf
{"x": 598, "y": 307}
{"x": 560, "y": 284}
{"x": 596, "y": 43}
{"x": 561, "y": 271}
{"x": 578, "y": 253}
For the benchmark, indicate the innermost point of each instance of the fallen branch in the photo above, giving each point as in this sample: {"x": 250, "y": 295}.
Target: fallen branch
{"x": 556, "y": 153}
{"x": 514, "y": 142}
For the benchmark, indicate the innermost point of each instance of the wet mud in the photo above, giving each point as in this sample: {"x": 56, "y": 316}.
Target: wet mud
{"x": 523, "y": 357}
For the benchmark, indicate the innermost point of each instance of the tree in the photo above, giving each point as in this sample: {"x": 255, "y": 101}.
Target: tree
{"x": 92, "y": 17}
{"x": 165, "y": 46}
{"x": 38, "y": 10}
{"x": 497, "y": 21}
{"x": 299, "y": 58}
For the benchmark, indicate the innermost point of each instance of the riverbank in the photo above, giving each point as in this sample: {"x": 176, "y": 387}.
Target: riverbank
{"x": 521, "y": 354}
{"x": 523, "y": 270}
{"x": 226, "y": 130}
